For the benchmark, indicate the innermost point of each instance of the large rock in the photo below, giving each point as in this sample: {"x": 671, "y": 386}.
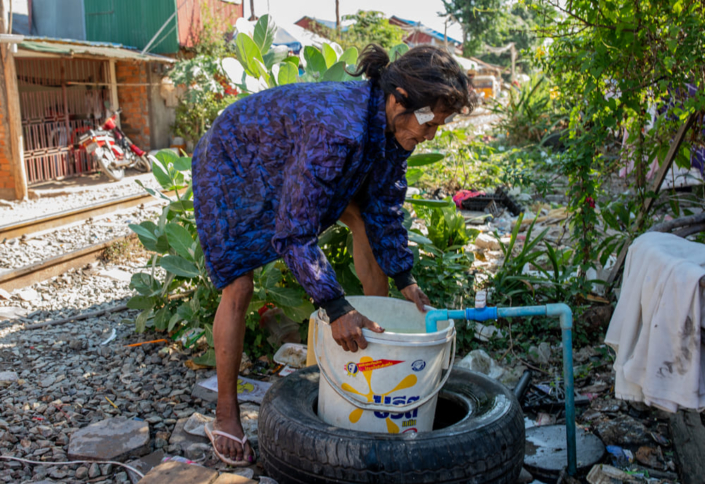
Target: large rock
{"x": 623, "y": 431}
{"x": 183, "y": 439}
{"x": 233, "y": 479}
{"x": 112, "y": 439}
{"x": 178, "y": 473}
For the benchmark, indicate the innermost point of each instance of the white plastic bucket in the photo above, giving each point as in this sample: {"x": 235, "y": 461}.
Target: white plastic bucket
{"x": 392, "y": 386}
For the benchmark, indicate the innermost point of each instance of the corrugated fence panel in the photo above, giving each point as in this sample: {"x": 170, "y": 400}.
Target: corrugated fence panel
{"x": 133, "y": 23}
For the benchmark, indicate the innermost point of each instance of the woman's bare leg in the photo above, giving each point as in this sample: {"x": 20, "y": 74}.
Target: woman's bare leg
{"x": 229, "y": 337}
{"x": 374, "y": 281}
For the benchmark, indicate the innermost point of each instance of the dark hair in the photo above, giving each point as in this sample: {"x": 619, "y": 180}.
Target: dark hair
{"x": 429, "y": 75}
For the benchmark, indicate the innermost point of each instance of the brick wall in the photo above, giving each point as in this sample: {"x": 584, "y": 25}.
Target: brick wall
{"x": 134, "y": 101}
{"x": 7, "y": 183}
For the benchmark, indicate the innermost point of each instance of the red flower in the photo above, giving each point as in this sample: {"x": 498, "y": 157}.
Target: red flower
{"x": 590, "y": 201}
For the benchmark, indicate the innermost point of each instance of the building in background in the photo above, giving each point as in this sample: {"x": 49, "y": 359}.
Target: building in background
{"x": 74, "y": 62}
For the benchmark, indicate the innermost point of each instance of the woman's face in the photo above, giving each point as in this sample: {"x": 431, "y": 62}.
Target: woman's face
{"x": 407, "y": 129}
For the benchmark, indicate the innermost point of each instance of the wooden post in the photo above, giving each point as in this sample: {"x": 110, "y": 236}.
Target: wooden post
{"x": 689, "y": 443}
{"x": 9, "y": 73}
{"x": 337, "y": 15}
{"x": 112, "y": 79}
{"x": 649, "y": 202}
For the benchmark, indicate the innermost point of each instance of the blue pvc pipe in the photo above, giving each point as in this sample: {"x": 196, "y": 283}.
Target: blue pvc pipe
{"x": 565, "y": 315}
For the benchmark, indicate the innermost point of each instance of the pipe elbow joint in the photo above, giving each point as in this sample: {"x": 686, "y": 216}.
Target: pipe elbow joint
{"x": 563, "y": 312}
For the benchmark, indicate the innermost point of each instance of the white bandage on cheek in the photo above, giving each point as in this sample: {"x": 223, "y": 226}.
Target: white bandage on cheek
{"x": 424, "y": 115}
{"x": 450, "y": 118}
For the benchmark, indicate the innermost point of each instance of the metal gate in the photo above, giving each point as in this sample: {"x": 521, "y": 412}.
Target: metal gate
{"x": 59, "y": 99}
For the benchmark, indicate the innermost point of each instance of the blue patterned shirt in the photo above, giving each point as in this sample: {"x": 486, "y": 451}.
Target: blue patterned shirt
{"x": 279, "y": 167}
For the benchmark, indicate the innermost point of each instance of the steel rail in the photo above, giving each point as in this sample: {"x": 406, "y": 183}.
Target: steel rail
{"x": 41, "y": 271}
{"x": 60, "y": 219}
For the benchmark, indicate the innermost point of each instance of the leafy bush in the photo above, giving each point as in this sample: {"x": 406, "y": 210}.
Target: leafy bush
{"x": 529, "y": 114}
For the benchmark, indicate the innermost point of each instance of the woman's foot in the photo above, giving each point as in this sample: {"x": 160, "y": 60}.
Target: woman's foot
{"x": 230, "y": 424}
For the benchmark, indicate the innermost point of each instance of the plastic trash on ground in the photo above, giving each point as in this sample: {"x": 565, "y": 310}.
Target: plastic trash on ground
{"x": 480, "y": 361}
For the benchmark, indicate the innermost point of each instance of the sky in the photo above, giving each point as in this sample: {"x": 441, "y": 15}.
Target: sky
{"x": 289, "y": 11}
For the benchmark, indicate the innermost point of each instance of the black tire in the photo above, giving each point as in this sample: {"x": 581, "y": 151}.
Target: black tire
{"x": 482, "y": 441}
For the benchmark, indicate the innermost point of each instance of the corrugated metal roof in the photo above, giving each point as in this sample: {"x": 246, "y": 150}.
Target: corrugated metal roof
{"x": 65, "y": 47}
{"x": 133, "y": 22}
{"x": 427, "y": 30}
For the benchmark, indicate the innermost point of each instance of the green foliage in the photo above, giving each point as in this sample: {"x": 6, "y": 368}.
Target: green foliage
{"x": 529, "y": 114}
{"x": 477, "y": 17}
{"x": 610, "y": 63}
{"x": 371, "y": 27}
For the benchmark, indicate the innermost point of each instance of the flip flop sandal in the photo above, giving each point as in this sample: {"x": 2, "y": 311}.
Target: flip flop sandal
{"x": 213, "y": 434}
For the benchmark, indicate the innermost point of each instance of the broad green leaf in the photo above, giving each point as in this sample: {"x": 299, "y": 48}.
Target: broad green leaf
{"x": 350, "y": 56}
{"x": 162, "y": 245}
{"x": 179, "y": 266}
{"x": 208, "y": 328}
{"x": 141, "y": 320}
{"x": 173, "y": 321}
{"x": 143, "y": 231}
{"x": 183, "y": 163}
{"x": 264, "y": 33}
{"x": 315, "y": 62}
{"x": 247, "y": 52}
{"x": 160, "y": 170}
{"x": 424, "y": 159}
{"x": 206, "y": 359}
{"x": 293, "y": 60}
{"x": 161, "y": 319}
{"x": 288, "y": 74}
{"x": 329, "y": 55}
{"x": 180, "y": 240}
{"x": 145, "y": 284}
{"x": 398, "y": 51}
{"x": 419, "y": 239}
{"x": 337, "y": 73}
{"x": 285, "y": 296}
{"x": 412, "y": 176}
{"x": 185, "y": 312}
{"x": 275, "y": 56}
{"x": 140, "y": 302}
{"x": 181, "y": 206}
{"x": 428, "y": 203}
{"x": 299, "y": 313}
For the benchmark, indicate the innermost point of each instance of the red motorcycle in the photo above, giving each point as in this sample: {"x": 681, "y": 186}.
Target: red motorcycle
{"x": 114, "y": 151}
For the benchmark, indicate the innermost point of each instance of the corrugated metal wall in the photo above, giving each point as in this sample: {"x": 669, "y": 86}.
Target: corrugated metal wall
{"x": 133, "y": 23}
{"x": 61, "y": 19}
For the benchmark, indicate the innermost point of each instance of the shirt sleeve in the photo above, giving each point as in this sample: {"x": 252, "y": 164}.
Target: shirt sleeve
{"x": 309, "y": 185}
{"x": 381, "y": 204}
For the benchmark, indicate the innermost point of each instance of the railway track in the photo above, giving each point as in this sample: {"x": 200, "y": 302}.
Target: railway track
{"x": 61, "y": 219}
{"x": 12, "y": 279}
{"x": 41, "y": 271}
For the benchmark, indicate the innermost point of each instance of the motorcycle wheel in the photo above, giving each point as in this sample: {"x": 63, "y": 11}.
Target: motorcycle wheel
{"x": 144, "y": 163}
{"x": 106, "y": 161}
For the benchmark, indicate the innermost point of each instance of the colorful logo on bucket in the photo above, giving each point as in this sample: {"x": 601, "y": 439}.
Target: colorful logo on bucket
{"x": 367, "y": 366}
{"x": 352, "y": 368}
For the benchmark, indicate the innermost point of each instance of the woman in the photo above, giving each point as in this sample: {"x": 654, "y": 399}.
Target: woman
{"x": 279, "y": 167}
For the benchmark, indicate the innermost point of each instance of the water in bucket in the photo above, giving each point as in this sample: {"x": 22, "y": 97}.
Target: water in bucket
{"x": 391, "y": 386}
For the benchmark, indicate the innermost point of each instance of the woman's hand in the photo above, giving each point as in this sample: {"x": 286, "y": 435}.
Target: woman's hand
{"x": 347, "y": 330}
{"x": 414, "y": 294}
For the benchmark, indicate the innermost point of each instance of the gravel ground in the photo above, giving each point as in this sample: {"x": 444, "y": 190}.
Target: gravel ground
{"x": 66, "y": 375}
{"x": 72, "y": 193}
{"x": 19, "y": 252}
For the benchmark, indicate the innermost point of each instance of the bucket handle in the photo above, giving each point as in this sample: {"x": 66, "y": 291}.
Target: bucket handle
{"x": 374, "y": 407}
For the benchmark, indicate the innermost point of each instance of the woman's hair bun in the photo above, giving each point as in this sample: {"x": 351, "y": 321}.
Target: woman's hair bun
{"x": 373, "y": 60}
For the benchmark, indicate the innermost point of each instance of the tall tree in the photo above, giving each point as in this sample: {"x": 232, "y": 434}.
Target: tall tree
{"x": 337, "y": 15}
{"x": 476, "y": 18}
{"x": 253, "y": 17}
